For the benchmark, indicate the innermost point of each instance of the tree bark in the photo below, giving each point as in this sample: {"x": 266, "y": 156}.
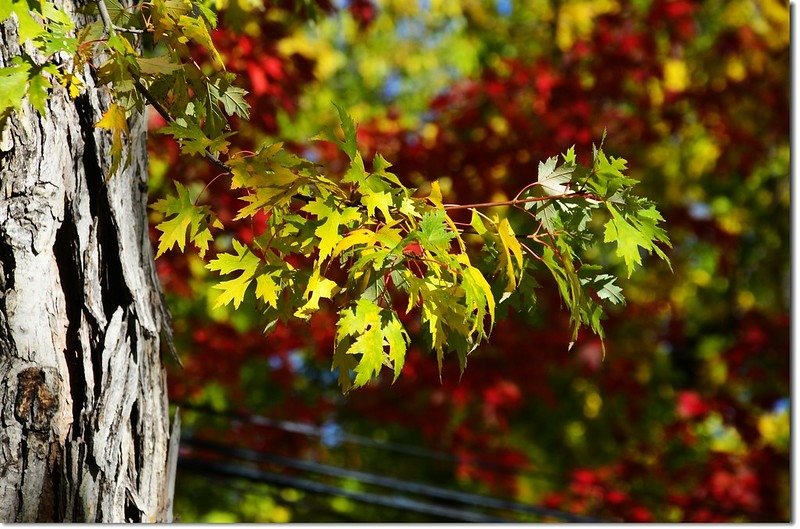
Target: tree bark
{"x": 84, "y": 427}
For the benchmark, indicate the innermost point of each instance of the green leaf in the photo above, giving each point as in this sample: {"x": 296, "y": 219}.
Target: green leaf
{"x": 628, "y": 239}
{"x": 356, "y": 174}
{"x": 193, "y": 140}
{"x": 28, "y": 27}
{"x": 434, "y": 233}
{"x": 195, "y": 29}
{"x": 371, "y": 330}
{"x": 39, "y": 92}
{"x": 230, "y": 97}
{"x": 13, "y": 85}
{"x": 603, "y": 284}
{"x": 348, "y": 145}
{"x": 553, "y": 180}
{"x": 157, "y": 65}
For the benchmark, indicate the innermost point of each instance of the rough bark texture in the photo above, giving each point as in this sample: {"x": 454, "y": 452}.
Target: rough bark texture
{"x": 84, "y": 430}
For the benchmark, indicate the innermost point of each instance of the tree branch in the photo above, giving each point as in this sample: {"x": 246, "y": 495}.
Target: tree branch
{"x": 518, "y": 201}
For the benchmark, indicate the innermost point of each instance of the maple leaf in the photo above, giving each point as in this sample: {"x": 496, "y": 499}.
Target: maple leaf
{"x": 243, "y": 261}
{"x": 373, "y": 329}
{"x": 356, "y": 174}
{"x": 328, "y": 231}
{"x": 193, "y": 140}
{"x": 628, "y": 238}
{"x": 114, "y": 120}
{"x": 379, "y": 200}
{"x": 433, "y": 231}
{"x": 603, "y": 284}
{"x": 189, "y": 221}
{"x": 397, "y": 340}
{"x": 267, "y": 289}
{"x": 348, "y": 145}
{"x": 13, "y": 84}
{"x": 230, "y": 97}
{"x": 370, "y": 346}
{"x": 553, "y": 180}
{"x": 511, "y": 248}
{"x": 318, "y": 287}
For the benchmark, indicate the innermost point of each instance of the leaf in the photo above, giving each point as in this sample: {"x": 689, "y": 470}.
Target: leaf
{"x": 608, "y": 178}
{"x": 243, "y": 261}
{"x": 196, "y": 29}
{"x": 603, "y": 284}
{"x": 370, "y": 346}
{"x": 349, "y": 145}
{"x": 433, "y": 231}
{"x": 397, "y": 340}
{"x": 373, "y": 329}
{"x": 356, "y": 174}
{"x": 193, "y": 140}
{"x": 380, "y": 200}
{"x": 628, "y": 239}
{"x": 157, "y": 65}
{"x": 115, "y": 120}
{"x": 353, "y": 238}
{"x": 267, "y": 290}
{"x": 511, "y": 248}
{"x": 28, "y": 27}
{"x": 38, "y": 92}
{"x": 230, "y": 97}
{"x": 478, "y": 293}
{"x": 187, "y": 218}
{"x": 553, "y": 180}
{"x": 435, "y": 195}
{"x": 318, "y": 287}
{"x": 328, "y": 231}
{"x": 13, "y": 85}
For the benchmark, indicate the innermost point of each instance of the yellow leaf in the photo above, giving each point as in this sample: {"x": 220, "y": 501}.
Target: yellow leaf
{"x": 511, "y": 248}
{"x": 318, "y": 287}
{"x": 361, "y": 236}
{"x": 267, "y": 290}
{"x": 436, "y": 195}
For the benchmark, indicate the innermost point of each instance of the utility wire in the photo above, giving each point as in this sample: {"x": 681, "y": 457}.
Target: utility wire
{"x": 311, "y": 430}
{"x": 391, "y": 483}
{"x": 314, "y": 505}
{"x": 396, "y": 502}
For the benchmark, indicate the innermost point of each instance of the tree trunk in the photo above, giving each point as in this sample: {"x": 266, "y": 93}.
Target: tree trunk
{"x": 84, "y": 430}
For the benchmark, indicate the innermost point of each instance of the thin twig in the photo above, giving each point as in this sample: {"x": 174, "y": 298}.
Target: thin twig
{"x": 516, "y": 202}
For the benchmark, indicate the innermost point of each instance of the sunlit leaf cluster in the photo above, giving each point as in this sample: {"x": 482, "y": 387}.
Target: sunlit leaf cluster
{"x": 381, "y": 253}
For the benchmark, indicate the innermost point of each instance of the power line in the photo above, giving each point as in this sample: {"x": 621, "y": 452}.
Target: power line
{"x": 337, "y": 435}
{"x": 314, "y": 505}
{"x": 387, "y": 482}
{"x": 396, "y": 502}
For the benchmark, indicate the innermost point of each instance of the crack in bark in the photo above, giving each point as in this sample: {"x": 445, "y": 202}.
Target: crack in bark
{"x": 7, "y": 267}
{"x": 67, "y": 255}
{"x": 114, "y": 287}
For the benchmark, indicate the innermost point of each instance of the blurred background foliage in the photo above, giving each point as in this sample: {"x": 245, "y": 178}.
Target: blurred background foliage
{"x": 686, "y": 418}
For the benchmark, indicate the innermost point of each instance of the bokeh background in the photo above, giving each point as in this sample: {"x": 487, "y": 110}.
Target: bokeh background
{"x": 687, "y": 416}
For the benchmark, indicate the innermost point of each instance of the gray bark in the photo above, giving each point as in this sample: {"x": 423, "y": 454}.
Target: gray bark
{"x": 84, "y": 427}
